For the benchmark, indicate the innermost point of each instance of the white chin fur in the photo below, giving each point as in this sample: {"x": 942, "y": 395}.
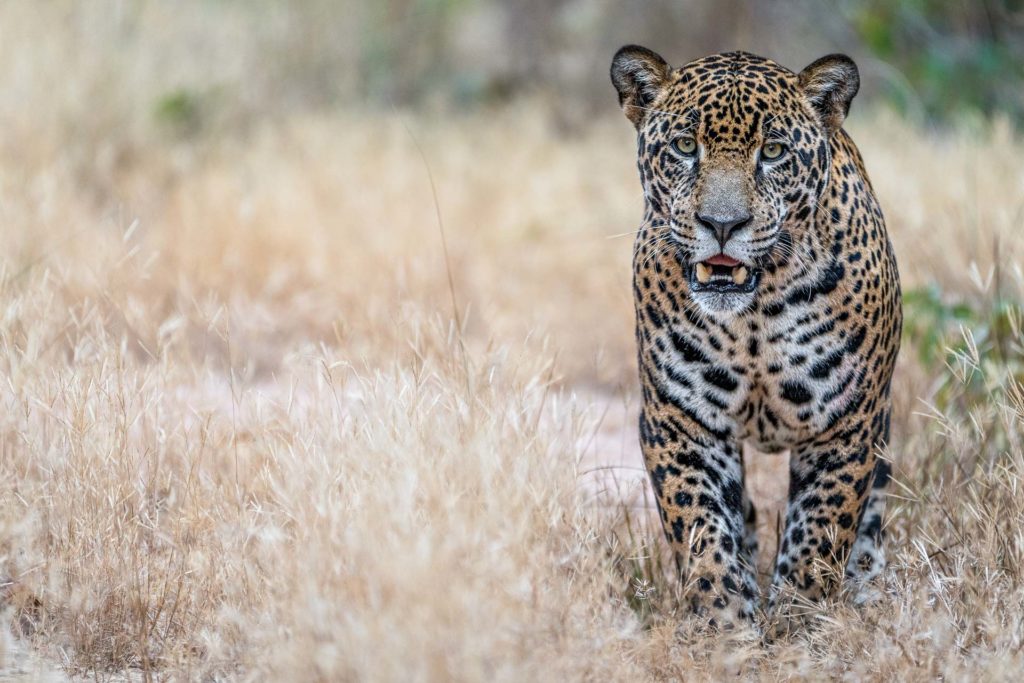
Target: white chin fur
{"x": 718, "y": 304}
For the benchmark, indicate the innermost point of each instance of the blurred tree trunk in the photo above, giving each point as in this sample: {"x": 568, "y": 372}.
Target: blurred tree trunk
{"x": 533, "y": 33}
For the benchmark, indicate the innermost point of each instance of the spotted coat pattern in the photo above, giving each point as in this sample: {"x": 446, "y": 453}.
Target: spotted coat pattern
{"x": 802, "y": 361}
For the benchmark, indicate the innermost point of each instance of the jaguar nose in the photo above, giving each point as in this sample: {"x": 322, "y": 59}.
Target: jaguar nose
{"x": 723, "y": 227}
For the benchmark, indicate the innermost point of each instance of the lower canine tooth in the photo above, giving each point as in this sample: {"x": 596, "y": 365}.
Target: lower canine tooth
{"x": 739, "y": 275}
{"x": 703, "y": 273}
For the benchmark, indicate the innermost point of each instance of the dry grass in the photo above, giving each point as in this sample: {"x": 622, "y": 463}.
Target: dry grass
{"x": 241, "y": 437}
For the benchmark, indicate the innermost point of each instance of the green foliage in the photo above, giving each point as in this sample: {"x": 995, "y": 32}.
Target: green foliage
{"x": 930, "y": 323}
{"x": 975, "y": 350}
{"x": 180, "y": 111}
{"x": 957, "y": 58}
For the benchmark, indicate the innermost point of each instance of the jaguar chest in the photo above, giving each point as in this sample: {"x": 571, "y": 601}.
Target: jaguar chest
{"x": 773, "y": 377}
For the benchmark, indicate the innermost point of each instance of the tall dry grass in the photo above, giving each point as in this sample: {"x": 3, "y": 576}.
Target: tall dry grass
{"x": 242, "y": 437}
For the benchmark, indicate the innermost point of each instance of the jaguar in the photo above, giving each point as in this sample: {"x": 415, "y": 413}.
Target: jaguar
{"x": 768, "y": 312}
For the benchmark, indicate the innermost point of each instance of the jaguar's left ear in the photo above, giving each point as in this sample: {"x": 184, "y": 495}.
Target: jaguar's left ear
{"x": 830, "y": 84}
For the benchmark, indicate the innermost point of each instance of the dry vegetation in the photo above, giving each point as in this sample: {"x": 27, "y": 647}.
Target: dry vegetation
{"x": 241, "y": 435}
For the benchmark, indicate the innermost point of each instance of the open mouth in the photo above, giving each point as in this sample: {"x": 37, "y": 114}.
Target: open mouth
{"x": 723, "y": 275}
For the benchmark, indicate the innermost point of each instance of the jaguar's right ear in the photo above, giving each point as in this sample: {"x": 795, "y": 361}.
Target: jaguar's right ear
{"x": 639, "y": 75}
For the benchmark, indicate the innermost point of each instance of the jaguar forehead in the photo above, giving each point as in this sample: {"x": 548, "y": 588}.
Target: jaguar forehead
{"x": 734, "y": 93}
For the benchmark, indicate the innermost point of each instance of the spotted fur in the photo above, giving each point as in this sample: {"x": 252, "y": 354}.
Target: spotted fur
{"x": 802, "y": 361}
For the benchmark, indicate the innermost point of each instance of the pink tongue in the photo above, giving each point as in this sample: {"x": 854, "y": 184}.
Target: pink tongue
{"x": 723, "y": 260}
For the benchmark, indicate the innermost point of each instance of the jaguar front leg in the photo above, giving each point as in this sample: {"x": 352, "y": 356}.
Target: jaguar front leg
{"x": 698, "y": 481}
{"x": 829, "y": 486}
{"x": 867, "y": 559}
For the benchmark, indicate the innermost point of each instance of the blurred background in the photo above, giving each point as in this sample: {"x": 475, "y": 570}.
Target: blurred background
{"x": 253, "y": 142}
{"x": 197, "y": 65}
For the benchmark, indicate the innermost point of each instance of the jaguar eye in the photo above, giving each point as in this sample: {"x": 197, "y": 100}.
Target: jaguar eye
{"x": 686, "y": 145}
{"x": 772, "y": 151}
